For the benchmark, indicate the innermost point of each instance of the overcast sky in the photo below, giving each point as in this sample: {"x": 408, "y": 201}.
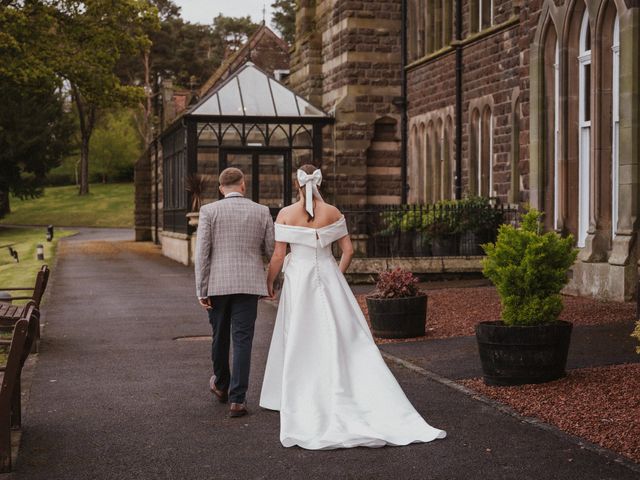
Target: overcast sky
{"x": 203, "y": 11}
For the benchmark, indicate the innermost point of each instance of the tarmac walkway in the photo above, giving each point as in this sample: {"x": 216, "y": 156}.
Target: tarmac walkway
{"x": 115, "y": 396}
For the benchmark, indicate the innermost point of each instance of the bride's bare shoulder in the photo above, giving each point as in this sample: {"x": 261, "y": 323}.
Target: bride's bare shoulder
{"x": 284, "y": 214}
{"x": 331, "y": 212}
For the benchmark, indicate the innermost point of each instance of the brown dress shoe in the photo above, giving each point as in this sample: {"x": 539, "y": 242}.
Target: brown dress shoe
{"x": 222, "y": 396}
{"x": 238, "y": 410}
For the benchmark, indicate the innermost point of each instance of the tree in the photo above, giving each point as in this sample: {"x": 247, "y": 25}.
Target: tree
{"x": 284, "y": 19}
{"x": 233, "y": 32}
{"x": 92, "y": 35}
{"x": 115, "y": 146}
{"x": 36, "y": 132}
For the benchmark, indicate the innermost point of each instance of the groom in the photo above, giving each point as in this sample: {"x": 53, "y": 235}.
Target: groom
{"x": 233, "y": 235}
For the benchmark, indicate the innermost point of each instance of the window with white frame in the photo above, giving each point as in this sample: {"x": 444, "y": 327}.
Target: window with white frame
{"x": 615, "y": 120}
{"x": 584, "y": 116}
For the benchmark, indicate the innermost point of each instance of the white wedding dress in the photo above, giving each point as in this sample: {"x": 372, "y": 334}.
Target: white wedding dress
{"x": 324, "y": 373}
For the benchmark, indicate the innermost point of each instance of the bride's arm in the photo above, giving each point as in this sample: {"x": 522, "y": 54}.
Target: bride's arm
{"x": 275, "y": 265}
{"x": 347, "y": 252}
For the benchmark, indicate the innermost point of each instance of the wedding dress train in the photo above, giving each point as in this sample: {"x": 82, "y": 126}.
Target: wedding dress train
{"x": 324, "y": 373}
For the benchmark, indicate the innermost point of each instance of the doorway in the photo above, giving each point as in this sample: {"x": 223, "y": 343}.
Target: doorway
{"x": 267, "y": 173}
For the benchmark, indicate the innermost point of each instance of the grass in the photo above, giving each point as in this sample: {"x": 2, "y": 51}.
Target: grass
{"x": 23, "y": 274}
{"x": 107, "y": 205}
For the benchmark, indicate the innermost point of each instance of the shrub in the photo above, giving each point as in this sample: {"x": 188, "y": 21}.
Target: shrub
{"x": 529, "y": 269}
{"x": 478, "y": 216}
{"x": 636, "y": 333}
{"x": 442, "y": 219}
{"x": 390, "y": 223}
{"x": 396, "y": 283}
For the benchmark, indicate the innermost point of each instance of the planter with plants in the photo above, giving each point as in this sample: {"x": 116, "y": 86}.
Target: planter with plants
{"x": 529, "y": 269}
{"x": 397, "y": 308}
{"x": 478, "y": 223}
{"x": 441, "y": 225}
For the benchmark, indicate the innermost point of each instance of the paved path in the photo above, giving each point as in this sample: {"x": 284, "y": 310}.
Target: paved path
{"x": 114, "y": 396}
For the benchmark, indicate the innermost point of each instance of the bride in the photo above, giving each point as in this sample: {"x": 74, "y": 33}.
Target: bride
{"x": 324, "y": 372}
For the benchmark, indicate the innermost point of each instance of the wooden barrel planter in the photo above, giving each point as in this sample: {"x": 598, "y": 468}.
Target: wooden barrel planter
{"x": 517, "y": 355}
{"x": 398, "y": 317}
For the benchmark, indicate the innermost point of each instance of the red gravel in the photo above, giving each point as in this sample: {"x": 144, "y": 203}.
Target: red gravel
{"x": 454, "y": 312}
{"x": 600, "y": 404}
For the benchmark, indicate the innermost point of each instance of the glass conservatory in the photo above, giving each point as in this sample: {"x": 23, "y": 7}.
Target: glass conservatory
{"x": 252, "y": 122}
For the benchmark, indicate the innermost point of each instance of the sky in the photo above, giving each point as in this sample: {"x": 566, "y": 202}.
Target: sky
{"x": 203, "y": 11}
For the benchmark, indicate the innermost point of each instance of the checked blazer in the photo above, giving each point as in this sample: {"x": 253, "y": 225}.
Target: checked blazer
{"x": 234, "y": 236}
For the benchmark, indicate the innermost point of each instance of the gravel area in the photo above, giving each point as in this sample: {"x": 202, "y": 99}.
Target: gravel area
{"x": 600, "y": 404}
{"x": 454, "y": 312}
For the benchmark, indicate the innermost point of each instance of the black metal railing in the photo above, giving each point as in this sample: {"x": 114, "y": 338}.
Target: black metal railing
{"x": 439, "y": 230}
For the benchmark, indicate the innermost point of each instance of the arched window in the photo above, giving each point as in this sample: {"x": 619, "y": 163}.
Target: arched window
{"x": 584, "y": 125}
{"x": 430, "y": 26}
{"x": 431, "y": 154}
{"x": 421, "y": 19}
{"x": 412, "y": 34}
{"x": 447, "y": 159}
{"x": 475, "y": 144}
{"x": 447, "y": 21}
{"x": 417, "y": 166}
{"x": 437, "y": 162}
{"x": 480, "y": 15}
{"x": 437, "y": 25}
{"x": 551, "y": 129}
{"x": 422, "y": 165}
{"x": 485, "y": 177}
{"x": 615, "y": 124}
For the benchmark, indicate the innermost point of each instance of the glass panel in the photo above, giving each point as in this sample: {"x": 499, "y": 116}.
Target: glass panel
{"x": 486, "y": 6}
{"x": 229, "y": 96}
{"x": 302, "y": 137}
{"x": 306, "y": 109}
{"x": 587, "y": 92}
{"x": 285, "y": 100}
{"x": 271, "y": 175}
{"x": 279, "y": 136}
{"x": 209, "y": 107}
{"x": 231, "y": 134}
{"x": 256, "y": 95}
{"x": 243, "y": 161}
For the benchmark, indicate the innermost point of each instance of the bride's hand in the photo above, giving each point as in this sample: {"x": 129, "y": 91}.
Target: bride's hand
{"x": 271, "y": 290}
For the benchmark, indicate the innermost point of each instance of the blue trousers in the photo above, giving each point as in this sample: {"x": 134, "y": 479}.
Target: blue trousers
{"x": 233, "y": 318}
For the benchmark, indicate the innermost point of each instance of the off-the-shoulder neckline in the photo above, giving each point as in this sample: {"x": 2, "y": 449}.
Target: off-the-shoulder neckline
{"x": 341, "y": 219}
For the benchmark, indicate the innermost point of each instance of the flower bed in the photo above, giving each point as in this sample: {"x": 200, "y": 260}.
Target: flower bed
{"x": 454, "y": 312}
{"x": 600, "y": 404}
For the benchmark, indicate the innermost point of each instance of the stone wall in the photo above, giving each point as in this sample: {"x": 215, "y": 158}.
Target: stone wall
{"x": 347, "y": 59}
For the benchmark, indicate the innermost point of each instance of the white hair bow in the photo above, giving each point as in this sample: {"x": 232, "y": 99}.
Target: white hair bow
{"x": 313, "y": 180}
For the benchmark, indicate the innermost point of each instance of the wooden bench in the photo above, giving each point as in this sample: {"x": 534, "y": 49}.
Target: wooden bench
{"x": 10, "y": 393}
{"x": 10, "y": 313}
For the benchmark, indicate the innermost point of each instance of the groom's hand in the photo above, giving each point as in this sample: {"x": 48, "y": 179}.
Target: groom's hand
{"x": 205, "y": 303}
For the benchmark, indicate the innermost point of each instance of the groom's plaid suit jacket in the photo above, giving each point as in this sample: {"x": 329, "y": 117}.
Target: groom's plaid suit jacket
{"x": 234, "y": 235}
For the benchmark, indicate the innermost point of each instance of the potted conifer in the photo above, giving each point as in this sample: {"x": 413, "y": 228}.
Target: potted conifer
{"x": 397, "y": 307}
{"x": 529, "y": 269}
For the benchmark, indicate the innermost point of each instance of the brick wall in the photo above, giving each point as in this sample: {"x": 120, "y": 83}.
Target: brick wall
{"x": 495, "y": 69}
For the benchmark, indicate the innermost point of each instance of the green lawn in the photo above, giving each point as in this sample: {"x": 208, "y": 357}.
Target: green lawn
{"x": 108, "y": 205}
{"x": 25, "y": 240}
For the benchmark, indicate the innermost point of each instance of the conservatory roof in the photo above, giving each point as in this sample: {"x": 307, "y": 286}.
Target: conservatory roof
{"x": 251, "y": 93}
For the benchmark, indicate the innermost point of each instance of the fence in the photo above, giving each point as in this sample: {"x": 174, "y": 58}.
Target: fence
{"x": 440, "y": 230}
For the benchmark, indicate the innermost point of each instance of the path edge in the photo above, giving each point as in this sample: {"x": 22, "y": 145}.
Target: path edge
{"x": 501, "y": 407}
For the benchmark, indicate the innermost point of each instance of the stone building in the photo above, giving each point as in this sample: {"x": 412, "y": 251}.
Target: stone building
{"x": 532, "y": 102}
